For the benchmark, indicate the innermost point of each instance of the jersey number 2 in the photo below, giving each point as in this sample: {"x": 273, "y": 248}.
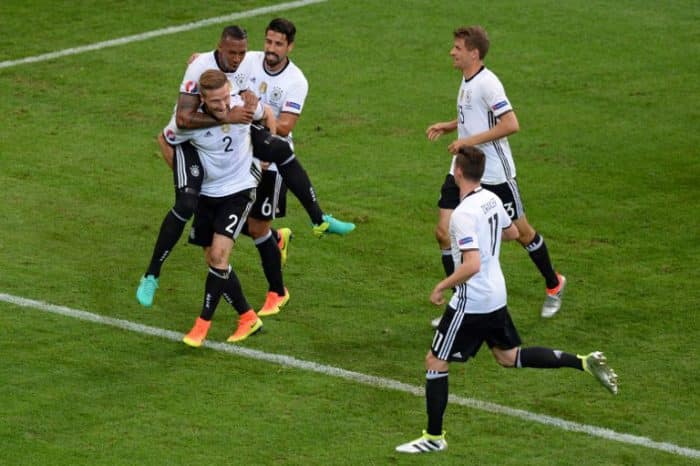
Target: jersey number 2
{"x": 228, "y": 141}
{"x": 232, "y": 225}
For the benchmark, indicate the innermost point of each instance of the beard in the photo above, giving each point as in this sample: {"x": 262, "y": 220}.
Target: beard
{"x": 272, "y": 59}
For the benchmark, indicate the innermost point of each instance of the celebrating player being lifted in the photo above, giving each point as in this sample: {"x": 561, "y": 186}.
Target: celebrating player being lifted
{"x": 478, "y": 311}
{"x": 226, "y": 196}
{"x": 229, "y": 57}
{"x": 485, "y": 118}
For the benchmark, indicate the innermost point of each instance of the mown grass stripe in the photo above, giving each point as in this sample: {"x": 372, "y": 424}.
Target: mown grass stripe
{"x": 365, "y": 379}
{"x": 158, "y": 32}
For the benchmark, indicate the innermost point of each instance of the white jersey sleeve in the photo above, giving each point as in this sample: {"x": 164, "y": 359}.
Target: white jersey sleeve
{"x": 259, "y": 112}
{"x": 495, "y": 98}
{"x": 296, "y": 95}
{"x": 465, "y": 233}
{"x": 175, "y": 135}
{"x": 190, "y": 81}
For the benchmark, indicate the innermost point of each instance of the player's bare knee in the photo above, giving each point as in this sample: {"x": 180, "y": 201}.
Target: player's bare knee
{"x": 527, "y": 233}
{"x": 505, "y": 358}
{"x": 257, "y": 228}
{"x": 434, "y": 364}
{"x": 217, "y": 258}
{"x": 526, "y": 238}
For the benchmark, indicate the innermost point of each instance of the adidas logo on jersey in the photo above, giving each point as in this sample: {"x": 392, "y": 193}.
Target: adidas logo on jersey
{"x": 208, "y": 134}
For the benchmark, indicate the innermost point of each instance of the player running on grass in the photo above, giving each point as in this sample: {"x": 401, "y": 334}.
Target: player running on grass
{"x": 478, "y": 311}
{"x": 485, "y": 118}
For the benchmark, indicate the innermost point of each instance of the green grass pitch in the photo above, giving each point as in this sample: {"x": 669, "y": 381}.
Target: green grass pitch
{"x": 608, "y": 100}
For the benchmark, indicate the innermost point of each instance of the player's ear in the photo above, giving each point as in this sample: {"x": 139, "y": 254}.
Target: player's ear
{"x": 290, "y": 47}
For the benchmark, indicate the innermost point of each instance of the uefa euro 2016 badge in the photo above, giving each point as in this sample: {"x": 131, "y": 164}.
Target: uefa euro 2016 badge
{"x": 191, "y": 87}
{"x": 263, "y": 88}
{"x": 194, "y": 170}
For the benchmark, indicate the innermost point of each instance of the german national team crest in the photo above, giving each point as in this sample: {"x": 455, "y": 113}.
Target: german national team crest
{"x": 466, "y": 97}
{"x": 240, "y": 80}
{"x": 276, "y": 95}
{"x": 194, "y": 170}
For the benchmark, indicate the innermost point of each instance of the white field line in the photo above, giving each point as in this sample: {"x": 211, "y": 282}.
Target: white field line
{"x": 159, "y": 32}
{"x": 358, "y": 377}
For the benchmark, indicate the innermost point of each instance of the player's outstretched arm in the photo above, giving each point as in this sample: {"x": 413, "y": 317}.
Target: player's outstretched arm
{"x": 269, "y": 119}
{"x": 438, "y": 129}
{"x": 470, "y": 266}
{"x": 507, "y": 125}
{"x": 286, "y": 123}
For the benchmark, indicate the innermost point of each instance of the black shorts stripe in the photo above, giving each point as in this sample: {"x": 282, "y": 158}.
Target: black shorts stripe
{"x": 515, "y": 192}
{"x": 188, "y": 171}
{"x": 498, "y": 147}
{"x": 180, "y": 173}
{"x": 450, "y": 336}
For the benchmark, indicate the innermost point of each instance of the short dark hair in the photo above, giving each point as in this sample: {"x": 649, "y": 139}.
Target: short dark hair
{"x": 283, "y": 26}
{"x": 234, "y": 32}
{"x": 474, "y": 37}
{"x": 471, "y": 161}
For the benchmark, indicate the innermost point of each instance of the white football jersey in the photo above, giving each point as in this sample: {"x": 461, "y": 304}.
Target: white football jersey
{"x": 477, "y": 223}
{"x": 207, "y": 61}
{"x": 226, "y": 154}
{"x": 481, "y": 100}
{"x": 284, "y": 91}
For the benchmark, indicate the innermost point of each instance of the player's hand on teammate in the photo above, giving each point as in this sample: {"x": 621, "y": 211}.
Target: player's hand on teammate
{"x": 239, "y": 115}
{"x": 250, "y": 100}
{"x": 269, "y": 119}
{"x": 454, "y": 147}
